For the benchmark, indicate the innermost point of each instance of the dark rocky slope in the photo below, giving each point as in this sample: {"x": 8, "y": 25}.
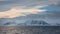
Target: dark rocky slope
{"x": 29, "y": 29}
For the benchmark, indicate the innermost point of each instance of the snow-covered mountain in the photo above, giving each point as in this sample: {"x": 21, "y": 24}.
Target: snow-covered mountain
{"x": 35, "y": 23}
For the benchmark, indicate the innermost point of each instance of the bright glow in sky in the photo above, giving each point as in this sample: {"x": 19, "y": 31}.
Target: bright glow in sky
{"x": 20, "y": 11}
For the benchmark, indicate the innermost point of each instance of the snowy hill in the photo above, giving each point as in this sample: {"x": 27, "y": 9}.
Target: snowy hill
{"x": 36, "y": 23}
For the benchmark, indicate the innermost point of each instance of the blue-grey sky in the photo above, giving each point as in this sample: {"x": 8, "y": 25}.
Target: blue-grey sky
{"x": 6, "y": 4}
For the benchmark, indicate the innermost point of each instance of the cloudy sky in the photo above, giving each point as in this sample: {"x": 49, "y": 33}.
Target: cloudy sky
{"x": 12, "y": 8}
{"x": 17, "y": 8}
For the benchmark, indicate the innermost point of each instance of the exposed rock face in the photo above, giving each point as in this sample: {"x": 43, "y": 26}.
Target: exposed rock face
{"x": 29, "y": 30}
{"x": 36, "y": 23}
{"x": 30, "y": 23}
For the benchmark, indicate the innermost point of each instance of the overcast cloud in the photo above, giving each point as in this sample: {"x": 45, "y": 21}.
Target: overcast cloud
{"x": 6, "y": 4}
